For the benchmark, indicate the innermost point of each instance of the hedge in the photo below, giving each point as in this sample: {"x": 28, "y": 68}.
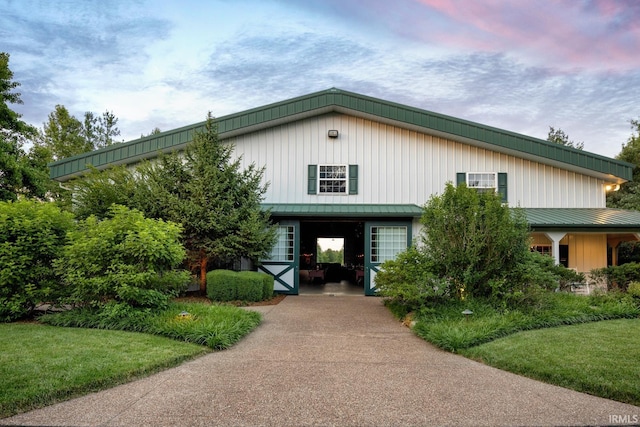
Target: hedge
{"x": 227, "y": 285}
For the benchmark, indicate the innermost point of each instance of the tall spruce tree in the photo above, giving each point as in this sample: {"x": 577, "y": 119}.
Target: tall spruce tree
{"x": 216, "y": 201}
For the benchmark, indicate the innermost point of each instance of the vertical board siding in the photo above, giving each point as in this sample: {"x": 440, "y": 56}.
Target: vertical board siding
{"x": 399, "y": 166}
{"x": 587, "y": 251}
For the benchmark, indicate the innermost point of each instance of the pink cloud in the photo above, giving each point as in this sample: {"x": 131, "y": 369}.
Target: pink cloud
{"x": 600, "y": 34}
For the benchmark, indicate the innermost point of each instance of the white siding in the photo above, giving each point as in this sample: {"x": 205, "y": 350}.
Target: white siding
{"x": 399, "y": 166}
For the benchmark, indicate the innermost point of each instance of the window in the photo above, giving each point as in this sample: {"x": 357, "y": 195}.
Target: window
{"x": 484, "y": 182}
{"x": 283, "y": 249}
{"x": 332, "y": 179}
{"x": 387, "y": 242}
{"x": 543, "y": 249}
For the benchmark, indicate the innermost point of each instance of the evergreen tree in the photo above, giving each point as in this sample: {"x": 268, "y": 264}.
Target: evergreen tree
{"x": 19, "y": 174}
{"x": 216, "y": 201}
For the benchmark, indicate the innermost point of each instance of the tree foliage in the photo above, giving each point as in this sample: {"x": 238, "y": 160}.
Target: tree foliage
{"x": 474, "y": 240}
{"x": 560, "y": 137}
{"x": 63, "y": 135}
{"x": 19, "y": 174}
{"x": 96, "y": 191}
{"x": 32, "y": 235}
{"x": 330, "y": 256}
{"x": 123, "y": 259}
{"x": 470, "y": 245}
{"x": 628, "y": 197}
{"x": 216, "y": 200}
{"x": 204, "y": 189}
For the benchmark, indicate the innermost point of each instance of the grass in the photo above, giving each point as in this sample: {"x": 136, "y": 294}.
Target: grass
{"x": 445, "y": 326}
{"x": 81, "y": 351}
{"x": 600, "y": 358}
{"x": 216, "y": 326}
{"x": 41, "y": 365}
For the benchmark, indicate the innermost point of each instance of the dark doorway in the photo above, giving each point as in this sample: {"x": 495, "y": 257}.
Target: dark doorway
{"x": 336, "y": 277}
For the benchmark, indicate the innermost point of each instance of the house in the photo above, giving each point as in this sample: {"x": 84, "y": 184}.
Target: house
{"x": 341, "y": 164}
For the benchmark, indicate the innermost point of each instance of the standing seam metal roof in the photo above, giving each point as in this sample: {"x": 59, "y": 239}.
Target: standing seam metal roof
{"x": 588, "y": 219}
{"x": 345, "y": 102}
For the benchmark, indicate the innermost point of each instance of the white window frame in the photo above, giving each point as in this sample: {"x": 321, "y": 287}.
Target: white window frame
{"x": 482, "y": 184}
{"x": 283, "y": 250}
{"x": 344, "y": 179}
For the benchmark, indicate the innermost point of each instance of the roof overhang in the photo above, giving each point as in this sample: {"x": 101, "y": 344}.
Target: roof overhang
{"x": 592, "y": 220}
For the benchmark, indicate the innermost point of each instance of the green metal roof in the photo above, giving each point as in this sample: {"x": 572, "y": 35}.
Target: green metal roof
{"x": 540, "y": 219}
{"x": 336, "y": 100}
{"x": 342, "y": 210}
{"x": 587, "y": 219}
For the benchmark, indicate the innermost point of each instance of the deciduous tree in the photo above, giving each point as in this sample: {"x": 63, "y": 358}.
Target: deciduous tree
{"x": 629, "y": 195}
{"x": 559, "y": 137}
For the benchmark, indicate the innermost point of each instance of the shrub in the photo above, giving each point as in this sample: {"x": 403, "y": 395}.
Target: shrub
{"x": 125, "y": 258}
{"x": 268, "y": 283}
{"x": 618, "y": 276}
{"x": 475, "y": 242}
{"x": 221, "y": 285}
{"x": 31, "y": 237}
{"x": 227, "y": 285}
{"x": 634, "y": 290}
{"x": 408, "y": 281}
{"x": 252, "y": 286}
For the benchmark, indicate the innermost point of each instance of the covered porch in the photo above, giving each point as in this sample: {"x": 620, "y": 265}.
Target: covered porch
{"x": 582, "y": 239}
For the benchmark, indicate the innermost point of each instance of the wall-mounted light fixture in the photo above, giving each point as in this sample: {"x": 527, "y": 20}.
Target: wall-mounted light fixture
{"x": 612, "y": 187}
{"x": 333, "y": 133}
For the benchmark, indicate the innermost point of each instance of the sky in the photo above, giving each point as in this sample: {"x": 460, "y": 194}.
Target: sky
{"x": 519, "y": 65}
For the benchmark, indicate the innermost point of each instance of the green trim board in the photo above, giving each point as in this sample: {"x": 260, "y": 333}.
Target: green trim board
{"x": 336, "y": 100}
{"x": 343, "y": 210}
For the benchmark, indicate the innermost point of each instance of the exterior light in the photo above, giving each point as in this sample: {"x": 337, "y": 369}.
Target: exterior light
{"x": 333, "y": 133}
{"x": 467, "y": 313}
{"x": 612, "y": 187}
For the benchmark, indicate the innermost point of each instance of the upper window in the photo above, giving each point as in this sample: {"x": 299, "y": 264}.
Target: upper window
{"x": 332, "y": 179}
{"x": 483, "y": 182}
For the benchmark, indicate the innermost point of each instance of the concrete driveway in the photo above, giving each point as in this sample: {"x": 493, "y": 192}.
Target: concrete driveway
{"x": 332, "y": 360}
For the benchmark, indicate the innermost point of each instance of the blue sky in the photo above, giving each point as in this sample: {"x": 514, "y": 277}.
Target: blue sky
{"x": 518, "y": 65}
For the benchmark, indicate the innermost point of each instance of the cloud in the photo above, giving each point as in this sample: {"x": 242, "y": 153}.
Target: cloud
{"x": 496, "y": 63}
{"x": 62, "y": 51}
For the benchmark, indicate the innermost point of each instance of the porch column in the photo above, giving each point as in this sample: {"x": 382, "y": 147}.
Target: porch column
{"x": 555, "y": 237}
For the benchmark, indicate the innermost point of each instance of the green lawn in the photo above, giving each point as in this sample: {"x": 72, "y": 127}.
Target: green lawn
{"x": 41, "y": 364}
{"x": 599, "y": 358}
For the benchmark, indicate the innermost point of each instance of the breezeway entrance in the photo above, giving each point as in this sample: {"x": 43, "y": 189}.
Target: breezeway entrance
{"x": 367, "y": 244}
